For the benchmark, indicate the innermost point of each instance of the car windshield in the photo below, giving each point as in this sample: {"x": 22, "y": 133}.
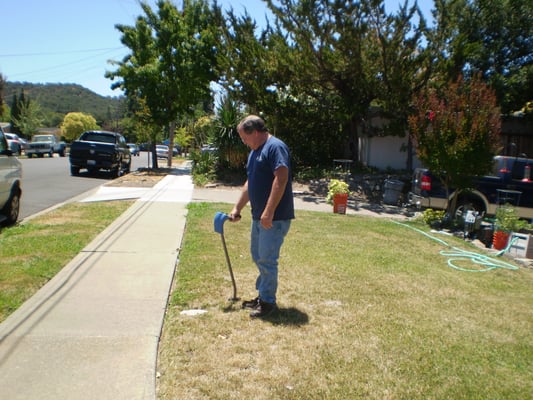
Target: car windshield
{"x": 98, "y": 137}
{"x": 41, "y": 139}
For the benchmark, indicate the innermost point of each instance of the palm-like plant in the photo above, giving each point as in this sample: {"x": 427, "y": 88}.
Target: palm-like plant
{"x": 231, "y": 150}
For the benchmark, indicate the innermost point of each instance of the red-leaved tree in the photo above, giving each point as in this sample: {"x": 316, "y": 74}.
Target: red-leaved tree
{"x": 456, "y": 131}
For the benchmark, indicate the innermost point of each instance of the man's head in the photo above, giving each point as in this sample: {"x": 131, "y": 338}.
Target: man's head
{"x": 253, "y": 131}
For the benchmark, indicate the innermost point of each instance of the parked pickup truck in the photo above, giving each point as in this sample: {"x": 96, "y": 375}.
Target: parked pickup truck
{"x": 45, "y": 144}
{"x": 509, "y": 182}
{"x": 97, "y": 150}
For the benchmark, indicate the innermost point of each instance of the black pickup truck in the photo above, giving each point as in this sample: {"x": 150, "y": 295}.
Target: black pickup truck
{"x": 97, "y": 150}
{"x": 509, "y": 183}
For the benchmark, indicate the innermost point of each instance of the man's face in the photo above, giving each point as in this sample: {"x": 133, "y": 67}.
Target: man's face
{"x": 250, "y": 140}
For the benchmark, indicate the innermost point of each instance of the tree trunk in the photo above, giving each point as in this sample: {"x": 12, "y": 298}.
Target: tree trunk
{"x": 154, "y": 156}
{"x": 172, "y": 132}
{"x": 354, "y": 135}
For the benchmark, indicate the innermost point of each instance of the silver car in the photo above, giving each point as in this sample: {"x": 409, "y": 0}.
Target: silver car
{"x": 162, "y": 151}
{"x": 10, "y": 183}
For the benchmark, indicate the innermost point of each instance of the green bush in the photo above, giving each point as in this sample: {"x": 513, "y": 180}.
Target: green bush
{"x": 433, "y": 217}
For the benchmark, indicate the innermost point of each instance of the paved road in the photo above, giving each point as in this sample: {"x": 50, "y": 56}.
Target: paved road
{"x": 47, "y": 182}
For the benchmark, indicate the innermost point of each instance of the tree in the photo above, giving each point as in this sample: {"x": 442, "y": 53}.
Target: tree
{"x": 19, "y": 103}
{"x": 30, "y": 118}
{"x": 405, "y": 66}
{"x": 172, "y": 60}
{"x": 2, "y": 88}
{"x": 317, "y": 70}
{"x": 491, "y": 37}
{"x": 75, "y": 123}
{"x": 456, "y": 131}
{"x": 332, "y": 57}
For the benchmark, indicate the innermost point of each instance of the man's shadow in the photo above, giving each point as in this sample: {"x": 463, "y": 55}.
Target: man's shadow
{"x": 283, "y": 316}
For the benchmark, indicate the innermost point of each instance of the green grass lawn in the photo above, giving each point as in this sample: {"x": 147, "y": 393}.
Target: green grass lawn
{"x": 369, "y": 309}
{"x": 32, "y": 253}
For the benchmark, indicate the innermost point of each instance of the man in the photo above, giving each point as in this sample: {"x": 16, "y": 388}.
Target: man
{"x": 268, "y": 188}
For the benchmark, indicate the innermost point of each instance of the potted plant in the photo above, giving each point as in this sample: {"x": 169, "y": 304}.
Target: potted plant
{"x": 507, "y": 221}
{"x": 338, "y": 192}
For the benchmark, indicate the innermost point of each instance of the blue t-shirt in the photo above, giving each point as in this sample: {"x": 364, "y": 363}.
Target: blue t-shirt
{"x": 260, "y": 170}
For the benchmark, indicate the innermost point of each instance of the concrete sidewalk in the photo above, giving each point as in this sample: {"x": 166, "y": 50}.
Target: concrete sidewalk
{"x": 92, "y": 332}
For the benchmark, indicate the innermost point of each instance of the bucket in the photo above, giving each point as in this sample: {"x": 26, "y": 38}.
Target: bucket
{"x": 393, "y": 191}
{"x": 340, "y": 202}
{"x": 499, "y": 240}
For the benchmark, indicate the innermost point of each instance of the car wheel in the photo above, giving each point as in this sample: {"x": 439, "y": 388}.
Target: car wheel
{"x": 74, "y": 171}
{"x": 11, "y": 209}
{"x": 465, "y": 205}
{"x": 30, "y": 155}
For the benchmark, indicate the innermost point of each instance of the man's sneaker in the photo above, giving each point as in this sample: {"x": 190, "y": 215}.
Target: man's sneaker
{"x": 252, "y": 304}
{"x": 264, "y": 309}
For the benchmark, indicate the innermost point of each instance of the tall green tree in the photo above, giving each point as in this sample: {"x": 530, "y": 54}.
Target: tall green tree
{"x": 317, "y": 69}
{"x": 30, "y": 118}
{"x": 172, "y": 59}
{"x": 332, "y": 57}
{"x": 491, "y": 37}
{"x": 2, "y": 88}
{"x": 19, "y": 104}
{"x": 405, "y": 65}
{"x": 456, "y": 131}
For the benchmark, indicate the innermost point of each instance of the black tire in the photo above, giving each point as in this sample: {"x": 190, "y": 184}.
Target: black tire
{"x": 30, "y": 155}
{"x": 74, "y": 171}
{"x": 62, "y": 153}
{"x": 12, "y": 207}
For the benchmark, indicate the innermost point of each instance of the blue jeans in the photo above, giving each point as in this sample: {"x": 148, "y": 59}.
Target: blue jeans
{"x": 265, "y": 246}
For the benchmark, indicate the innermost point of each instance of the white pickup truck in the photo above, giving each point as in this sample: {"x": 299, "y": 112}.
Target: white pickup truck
{"x": 45, "y": 144}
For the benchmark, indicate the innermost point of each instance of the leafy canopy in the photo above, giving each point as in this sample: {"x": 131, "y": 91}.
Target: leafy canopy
{"x": 456, "y": 130}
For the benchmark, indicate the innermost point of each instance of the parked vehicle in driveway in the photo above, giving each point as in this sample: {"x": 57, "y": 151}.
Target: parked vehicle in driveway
{"x": 162, "y": 151}
{"x": 14, "y": 143}
{"x": 97, "y": 150}
{"x": 45, "y": 144}
{"x": 134, "y": 149}
{"x": 10, "y": 183}
{"x": 509, "y": 182}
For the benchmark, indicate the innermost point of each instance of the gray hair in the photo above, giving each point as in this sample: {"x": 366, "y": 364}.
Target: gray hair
{"x": 252, "y": 123}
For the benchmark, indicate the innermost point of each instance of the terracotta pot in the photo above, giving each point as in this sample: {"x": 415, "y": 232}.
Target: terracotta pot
{"x": 340, "y": 202}
{"x": 499, "y": 240}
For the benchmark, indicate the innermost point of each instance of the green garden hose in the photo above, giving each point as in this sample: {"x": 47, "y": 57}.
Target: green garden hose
{"x": 455, "y": 254}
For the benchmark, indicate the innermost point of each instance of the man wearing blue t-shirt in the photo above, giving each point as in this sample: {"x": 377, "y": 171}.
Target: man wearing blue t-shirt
{"x": 268, "y": 188}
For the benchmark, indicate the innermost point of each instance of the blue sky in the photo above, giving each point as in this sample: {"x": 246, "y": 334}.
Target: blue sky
{"x": 58, "y": 41}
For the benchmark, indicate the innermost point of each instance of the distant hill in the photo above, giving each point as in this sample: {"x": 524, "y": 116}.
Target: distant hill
{"x": 59, "y": 98}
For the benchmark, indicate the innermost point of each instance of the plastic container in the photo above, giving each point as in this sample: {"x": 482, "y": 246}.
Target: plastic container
{"x": 393, "y": 191}
{"x": 340, "y": 203}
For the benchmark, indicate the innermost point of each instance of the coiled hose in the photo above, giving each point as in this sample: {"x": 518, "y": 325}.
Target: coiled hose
{"x": 455, "y": 254}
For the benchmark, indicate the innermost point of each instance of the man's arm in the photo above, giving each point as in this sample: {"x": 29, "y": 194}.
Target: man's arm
{"x": 281, "y": 177}
{"x": 235, "y": 214}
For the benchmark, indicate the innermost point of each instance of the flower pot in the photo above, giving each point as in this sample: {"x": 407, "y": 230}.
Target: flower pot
{"x": 499, "y": 240}
{"x": 340, "y": 202}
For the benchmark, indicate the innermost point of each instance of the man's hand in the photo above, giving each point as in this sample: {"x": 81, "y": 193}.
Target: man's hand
{"x": 266, "y": 221}
{"x": 234, "y": 217}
